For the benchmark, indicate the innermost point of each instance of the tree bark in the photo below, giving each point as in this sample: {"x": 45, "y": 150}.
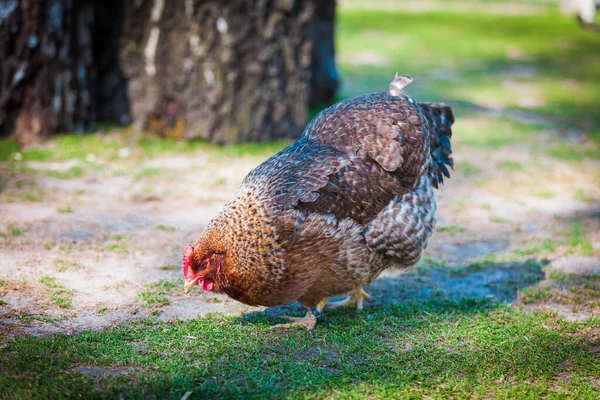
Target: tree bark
{"x": 46, "y": 67}
{"x": 225, "y": 71}
{"x": 324, "y": 75}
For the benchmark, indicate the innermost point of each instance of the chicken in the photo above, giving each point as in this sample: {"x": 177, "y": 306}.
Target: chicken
{"x": 326, "y": 215}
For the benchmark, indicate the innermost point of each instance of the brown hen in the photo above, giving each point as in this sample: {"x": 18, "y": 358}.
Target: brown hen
{"x": 326, "y": 215}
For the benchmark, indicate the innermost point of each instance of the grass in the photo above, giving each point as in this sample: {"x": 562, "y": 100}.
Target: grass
{"x": 466, "y": 168}
{"x": 547, "y": 245}
{"x": 166, "y": 228}
{"x": 73, "y": 172}
{"x": 150, "y": 172}
{"x": 481, "y": 263}
{"x": 64, "y": 265}
{"x": 108, "y": 145}
{"x": 476, "y": 74}
{"x": 533, "y": 294}
{"x": 578, "y": 239}
{"x": 511, "y": 165}
{"x": 574, "y": 240}
{"x": 498, "y": 220}
{"x": 451, "y": 229}
{"x": 577, "y": 290}
{"x": 65, "y": 210}
{"x": 41, "y": 318}
{"x": 154, "y": 293}
{"x": 14, "y": 231}
{"x": 58, "y": 294}
{"x": 428, "y": 263}
{"x": 435, "y": 349}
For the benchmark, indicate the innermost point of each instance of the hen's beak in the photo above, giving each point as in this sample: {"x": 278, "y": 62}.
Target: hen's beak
{"x": 188, "y": 285}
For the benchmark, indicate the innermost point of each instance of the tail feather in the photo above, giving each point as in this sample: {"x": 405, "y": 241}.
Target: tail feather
{"x": 440, "y": 118}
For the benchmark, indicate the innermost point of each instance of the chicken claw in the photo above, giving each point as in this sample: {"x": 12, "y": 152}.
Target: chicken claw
{"x": 308, "y": 321}
{"x": 355, "y": 298}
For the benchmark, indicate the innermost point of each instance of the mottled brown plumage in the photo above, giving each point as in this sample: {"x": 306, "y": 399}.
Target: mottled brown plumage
{"x": 325, "y": 216}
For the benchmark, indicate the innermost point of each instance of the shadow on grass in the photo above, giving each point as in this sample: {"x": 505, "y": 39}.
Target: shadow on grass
{"x": 435, "y": 347}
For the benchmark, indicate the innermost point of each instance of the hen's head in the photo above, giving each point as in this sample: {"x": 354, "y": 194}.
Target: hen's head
{"x": 200, "y": 268}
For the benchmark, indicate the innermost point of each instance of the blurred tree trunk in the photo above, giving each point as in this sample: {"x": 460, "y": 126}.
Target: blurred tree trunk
{"x": 45, "y": 67}
{"x": 324, "y": 79}
{"x": 230, "y": 71}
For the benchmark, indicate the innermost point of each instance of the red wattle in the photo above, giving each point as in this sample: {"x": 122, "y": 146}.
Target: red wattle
{"x": 207, "y": 284}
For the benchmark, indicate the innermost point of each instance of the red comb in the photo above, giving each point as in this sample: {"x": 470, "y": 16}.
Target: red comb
{"x": 186, "y": 259}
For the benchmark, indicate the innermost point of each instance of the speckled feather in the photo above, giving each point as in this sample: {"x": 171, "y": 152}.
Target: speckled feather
{"x": 351, "y": 197}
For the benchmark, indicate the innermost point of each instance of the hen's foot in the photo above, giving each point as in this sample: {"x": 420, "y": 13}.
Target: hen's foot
{"x": 355, "y": 299}
{"x": 309, "y": 321}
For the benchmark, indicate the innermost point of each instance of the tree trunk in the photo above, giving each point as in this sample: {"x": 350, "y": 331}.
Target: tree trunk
{"x": 46, "y": 67}
{"x": 222, "y": 71}
{"x": 324, "y": 76}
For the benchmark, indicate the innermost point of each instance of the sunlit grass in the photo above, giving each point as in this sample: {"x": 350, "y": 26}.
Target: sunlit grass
{"x": 436, "y": 349}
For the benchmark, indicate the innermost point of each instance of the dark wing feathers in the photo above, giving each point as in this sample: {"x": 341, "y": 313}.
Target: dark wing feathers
{"x": 440, "y": 118}
{"x": 296, "y": 174}
{"x": 353, "y": 158}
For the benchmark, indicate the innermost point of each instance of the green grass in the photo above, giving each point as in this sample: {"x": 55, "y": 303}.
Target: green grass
{"x": 64, "y": 265}
{"x": 65, "y": 210}
{"x": 106, "y": 146}
{"x": 436, "y": 349}
{"x": 547, "y": 245}
{"x": 471, "y": 66}
{"x": 498, "y": 220}
{"x": 73, "y": 172}
{"x": 427, "y": 263}
{"x": 154, "y": 293}
{"x": 149, "y": 172}
{"x": 8, "y": 147}
{"x": 42, "y": 318}
{"x": 451, "y": 229}
{"x": 575, "y": 240}
{"x": 466, "y": 168}
{"x": 14, "y": 231}
{"x": 534, "y": 293}
{"x": 511, "y": 165}
{"x": 59, "y": 295}
{"x": 578, "y": 240}
{"x": 166, "y": 228}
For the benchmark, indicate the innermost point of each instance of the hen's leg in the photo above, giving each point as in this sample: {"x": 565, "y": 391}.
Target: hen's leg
{"x": 309, "y": 321}
{"x": 355, "y": 298}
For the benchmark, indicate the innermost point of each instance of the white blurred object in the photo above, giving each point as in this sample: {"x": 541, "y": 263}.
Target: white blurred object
{"x": 585, "y": 10}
